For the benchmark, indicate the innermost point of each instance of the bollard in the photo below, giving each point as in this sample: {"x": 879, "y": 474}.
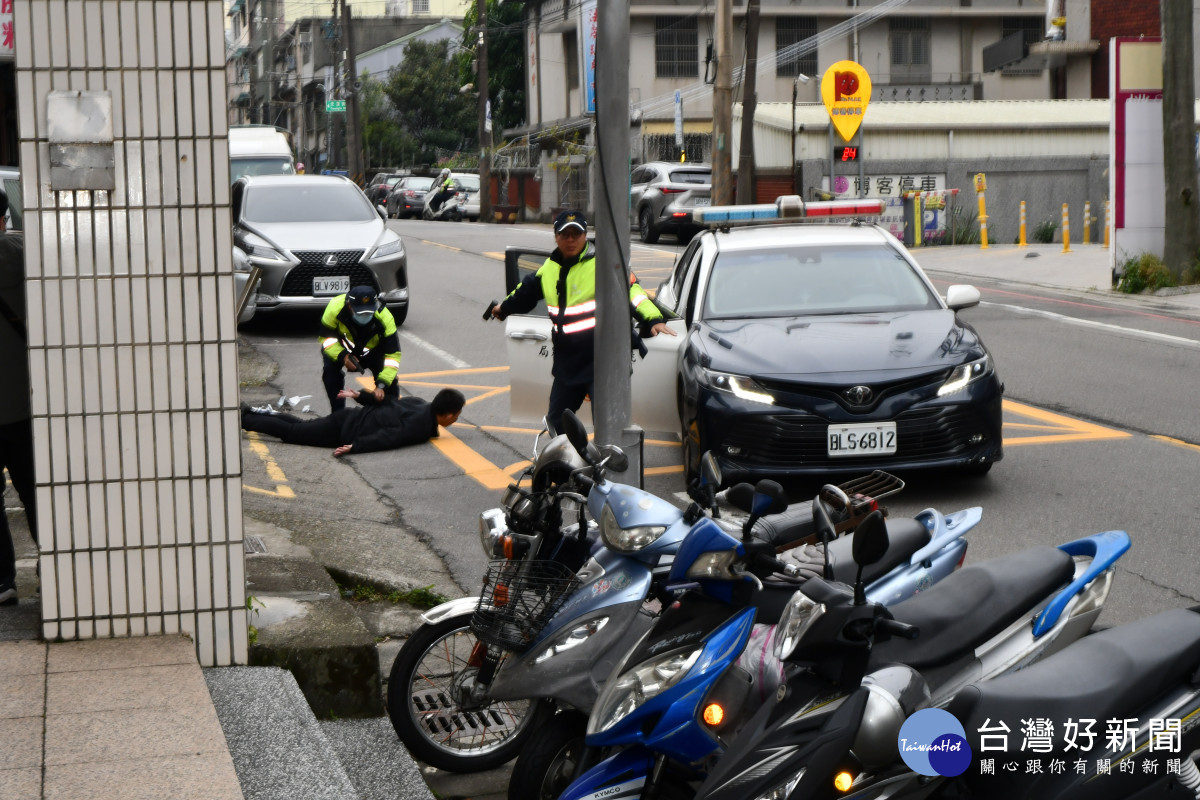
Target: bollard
{"x": 980, "y": 186}
{"x": 1066, "y": 225}
{"x": 920, "y": 234}
{"x": 1107, "y": 220}
{"x": 1021, "y": 242}
{"x": 1087, "y": 221}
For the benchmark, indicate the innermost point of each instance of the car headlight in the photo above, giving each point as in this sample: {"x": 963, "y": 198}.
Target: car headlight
{"x": 784, "y": 789}
{"x": 715, "y": 564}
{"x": 634, "y": 687}
{"x": 739, "y": 386}
{"x": 799, "y": 615}
{"x": 265, "y": 253}
{"x": 573, "y": 638}
{"x": 627, "y": 540}
{"x": 965, "y": 374}
{"x": 389, "y": 249}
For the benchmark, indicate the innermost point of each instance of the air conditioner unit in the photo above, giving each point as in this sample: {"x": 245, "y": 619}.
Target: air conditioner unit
{"x": 305, "y": 38}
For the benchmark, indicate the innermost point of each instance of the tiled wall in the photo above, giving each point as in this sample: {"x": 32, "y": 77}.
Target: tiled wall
{"x": 133, "y": 346}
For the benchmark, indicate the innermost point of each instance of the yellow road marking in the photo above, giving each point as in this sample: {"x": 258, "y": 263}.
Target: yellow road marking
{"x": 497, "y": 256}
{"x": 1176, "y": 442}
{"x": 439, "y": 244}
{"x": 473, "y": 464}
{"x": 259, "y": 448}
{"x": 1069, "y": 429}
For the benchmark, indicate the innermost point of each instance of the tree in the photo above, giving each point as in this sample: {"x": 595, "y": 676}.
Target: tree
{"x": 1179, "y": 133}
{"x": 385, "y": 142}
{"x": 424, "y": 91}
{"x": 506, "y": 62}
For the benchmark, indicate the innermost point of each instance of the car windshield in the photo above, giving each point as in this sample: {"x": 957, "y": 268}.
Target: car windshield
{"x": 308, "y": 201}
{"x": 814, "y": 280}
{"x": 690, "y": 176}
{"x": 468, "y": 182}
{"x": 420, "y": 184}
{"x": 393, "y": 180}
{"x": 266, "y": 165}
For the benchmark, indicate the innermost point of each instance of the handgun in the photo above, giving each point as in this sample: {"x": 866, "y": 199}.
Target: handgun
{"x": 487, "y": 312}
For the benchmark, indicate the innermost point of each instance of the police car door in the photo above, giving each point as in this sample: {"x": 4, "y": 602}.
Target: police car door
{"x": 530, "y": 358}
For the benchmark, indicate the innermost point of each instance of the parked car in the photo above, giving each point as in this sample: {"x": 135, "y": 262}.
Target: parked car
{"x": 468, "y": 182}
{"x": 259, "y": 150}
{"x": 662, "y": 196}
{"x": 315, "y": 236}
{"x": 802, "y": 349}
{"x": 380, "y": 187}
{"x": 407, "y": 197}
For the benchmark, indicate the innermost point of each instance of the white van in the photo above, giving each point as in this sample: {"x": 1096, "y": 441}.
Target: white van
{"x": 259, "y": 150}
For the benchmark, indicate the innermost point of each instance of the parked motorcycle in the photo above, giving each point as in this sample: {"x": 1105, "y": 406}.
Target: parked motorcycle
{"x": 471, "y": 684}
{"x": 857, "y": 670}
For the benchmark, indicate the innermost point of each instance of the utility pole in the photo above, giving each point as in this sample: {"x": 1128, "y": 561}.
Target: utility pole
{"x": 354, "y": 154}
{"x": 331, "y": 91}
{"x": 1182, "y": 202}
{"x": 485, "y": 124}
{"x": 722, "y": 176}
{"x": 610, "y": 197}
{"x": 745, "y": 183}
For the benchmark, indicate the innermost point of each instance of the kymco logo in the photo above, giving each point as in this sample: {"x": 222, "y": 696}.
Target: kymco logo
{"x": 932, "y": 742}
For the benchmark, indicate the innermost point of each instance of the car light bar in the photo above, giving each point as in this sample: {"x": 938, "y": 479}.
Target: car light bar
{"x": 785, "y": 207}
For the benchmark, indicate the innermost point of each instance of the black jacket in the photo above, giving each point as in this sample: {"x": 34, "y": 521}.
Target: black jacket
{"x": 395, "y": 422}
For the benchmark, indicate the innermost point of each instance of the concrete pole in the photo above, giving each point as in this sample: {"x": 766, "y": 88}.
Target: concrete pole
{"x": 485, "y": 136}
{"x": 354, "y": 154}
{"x": 722, "y": 173}
{"x": 610, "y": 199}
{"x": 746, "y": 163}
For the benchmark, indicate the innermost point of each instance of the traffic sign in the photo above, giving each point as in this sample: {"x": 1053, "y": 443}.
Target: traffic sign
{"x": 335, "y": 106}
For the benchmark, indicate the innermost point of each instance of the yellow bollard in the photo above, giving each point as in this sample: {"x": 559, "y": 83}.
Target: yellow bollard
{"x": 980, "y": 187}
{"x": 1022, "y": 242}
{"x": 920, "y": 234}
{"x": 1066, "y": 225}
{"x": 1087, "y": 221}
{"x": 1107, "y": 220}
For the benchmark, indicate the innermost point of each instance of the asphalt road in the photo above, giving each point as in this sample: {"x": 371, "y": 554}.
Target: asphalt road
{"x": 1100, "y": 425}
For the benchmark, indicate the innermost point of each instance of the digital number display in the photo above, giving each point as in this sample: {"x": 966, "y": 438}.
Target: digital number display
{"x": 845, "y": 153}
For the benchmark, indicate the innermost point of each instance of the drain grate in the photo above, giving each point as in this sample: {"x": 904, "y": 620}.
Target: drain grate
{"x": 253, "y": 544}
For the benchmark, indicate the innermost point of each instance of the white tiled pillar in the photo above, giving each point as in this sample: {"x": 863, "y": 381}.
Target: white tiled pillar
{"x": 133, "y": 348}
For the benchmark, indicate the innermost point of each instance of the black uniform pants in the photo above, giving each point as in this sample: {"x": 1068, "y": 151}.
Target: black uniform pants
{"x": 564, "y": 395}
{"x": 16, "y": 455}
{"x": 320, "y": 432}
{"x": 333, "y": 375}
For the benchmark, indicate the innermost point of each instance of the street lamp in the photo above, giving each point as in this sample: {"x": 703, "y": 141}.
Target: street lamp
{"x": 800, "y": 78}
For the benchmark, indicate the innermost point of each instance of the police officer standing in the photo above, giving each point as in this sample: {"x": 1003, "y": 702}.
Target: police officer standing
{"x": 567, "y": 281}
{"x": 359, "y": 335}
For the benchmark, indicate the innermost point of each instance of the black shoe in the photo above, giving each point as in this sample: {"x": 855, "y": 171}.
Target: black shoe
{"x": 246, "y": 409}
{"x": 8, "y": 596}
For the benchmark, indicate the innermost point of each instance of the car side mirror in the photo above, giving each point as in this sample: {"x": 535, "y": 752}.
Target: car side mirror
{"x": 961, "y": 295}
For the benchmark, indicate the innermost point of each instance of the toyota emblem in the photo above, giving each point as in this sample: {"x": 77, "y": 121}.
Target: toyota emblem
{"x": 331, "y": 261}
{"x": 858, "y": 395}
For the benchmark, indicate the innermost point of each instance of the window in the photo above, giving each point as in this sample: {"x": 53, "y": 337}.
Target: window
{"x": 791, "y": 59}
{"x": 662, "y": 147}
{"x": 676, "y": 47}
{"x": 420, "y": 6}
{"x": 909, "y": 41}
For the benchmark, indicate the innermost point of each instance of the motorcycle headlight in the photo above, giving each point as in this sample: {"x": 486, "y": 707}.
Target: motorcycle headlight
{"x": 389, "y": 249}
{"x": 965, "y": 374}
{"x": 784, "y": 789}
{"x": 799, "y": 615}
{"x": 739, "y": 386}
{"x": 634, "y": 687}
{"x": 491, "y": 529}
{"x": 716, "y": 564}
{"x": 627, "y": 540}
{"x": 572, "y": 638}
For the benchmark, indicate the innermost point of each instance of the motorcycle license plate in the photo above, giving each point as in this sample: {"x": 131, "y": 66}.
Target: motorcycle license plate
{"x": 337, "y": 284}
{"x": 862, "y": 439}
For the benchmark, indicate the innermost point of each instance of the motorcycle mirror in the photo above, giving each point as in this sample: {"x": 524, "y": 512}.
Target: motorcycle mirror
{"x": 769, "y": 498}
{"x": 740, "y": 496}
{"x": 617, "y": 460}
{"x": 576, "y": 433}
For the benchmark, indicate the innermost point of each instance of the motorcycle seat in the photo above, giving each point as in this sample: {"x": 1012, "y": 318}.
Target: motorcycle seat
{"x": 780, "y": 529}
{"x": 1113, "y": 673}
{"x": 974, "y": 604}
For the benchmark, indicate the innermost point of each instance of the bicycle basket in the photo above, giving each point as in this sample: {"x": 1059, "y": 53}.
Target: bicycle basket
{"x": 518, "y": 599}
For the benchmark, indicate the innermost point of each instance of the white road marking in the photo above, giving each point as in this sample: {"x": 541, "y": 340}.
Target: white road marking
{"x": 433, "y": 349}
{"x": 1088, "y": 323}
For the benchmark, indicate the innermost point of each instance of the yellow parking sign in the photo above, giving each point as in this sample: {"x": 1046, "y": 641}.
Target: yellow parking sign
{"x": 846, "y": 90}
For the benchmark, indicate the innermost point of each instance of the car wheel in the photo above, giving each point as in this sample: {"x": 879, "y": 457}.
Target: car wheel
{"x": 685, "y": 235}
{"x": 646, "y": 227}
{"x": 400, "y": 313}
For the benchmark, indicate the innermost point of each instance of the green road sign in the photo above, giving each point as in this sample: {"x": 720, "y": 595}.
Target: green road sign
{"x": 335, "y": 106}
